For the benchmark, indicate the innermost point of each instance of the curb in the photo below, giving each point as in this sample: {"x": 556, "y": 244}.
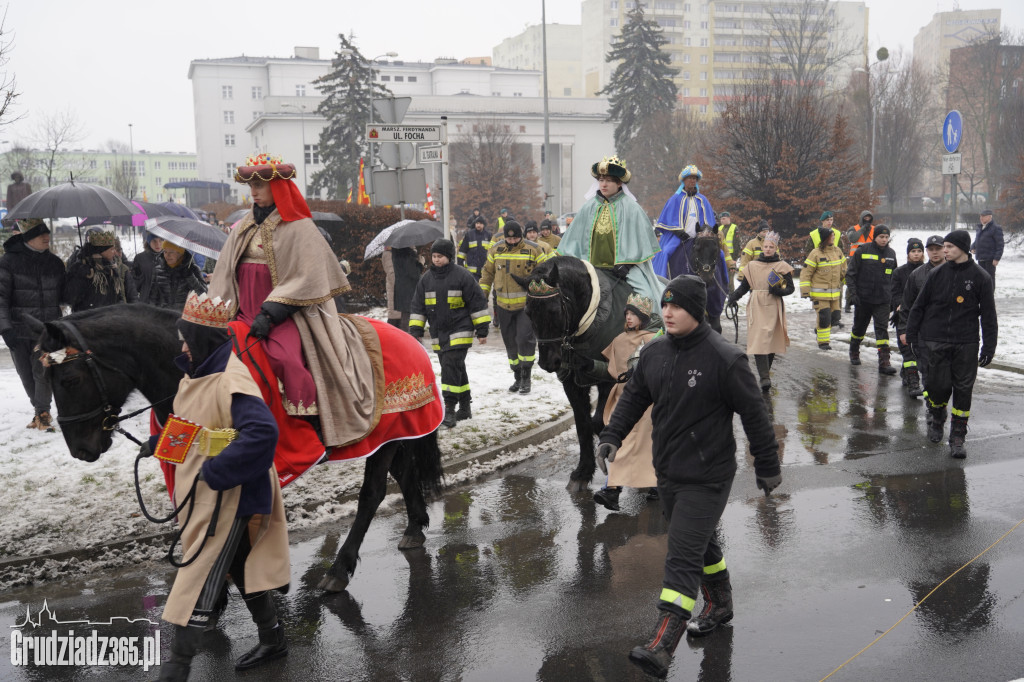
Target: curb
{"x": 534, "y": 436}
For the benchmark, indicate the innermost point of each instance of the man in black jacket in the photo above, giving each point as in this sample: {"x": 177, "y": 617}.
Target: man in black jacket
{"x": 696, "y": 381}
{"x": 474, "y": 246}
{"x": 917, "y": 358}
{"x": 31, "y": 281}
{"x": 869, "y": 287}
{"x": 944, "y": 321}
{"x": 988, "y": 244}
{"x": 915, "y": 259}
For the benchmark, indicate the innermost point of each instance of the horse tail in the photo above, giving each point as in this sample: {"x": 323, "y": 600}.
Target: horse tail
{"x": 425, "y": 457}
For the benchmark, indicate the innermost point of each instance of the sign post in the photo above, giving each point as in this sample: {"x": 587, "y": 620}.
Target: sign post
{"x": 445, "y": 194}
{"x": 952, "y": 134}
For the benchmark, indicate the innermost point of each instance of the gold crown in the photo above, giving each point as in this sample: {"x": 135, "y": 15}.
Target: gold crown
{"x": 100, "y": 238}
{"x": 209, "y": 312}
{"x": 538, "y": 288}
{"x": 641, "y": 303}
{"x": 612, "y": 166}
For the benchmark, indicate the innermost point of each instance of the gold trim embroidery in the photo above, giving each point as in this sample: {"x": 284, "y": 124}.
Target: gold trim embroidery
{"x": 408, "y": 393}
{"x": 294, "y": 410}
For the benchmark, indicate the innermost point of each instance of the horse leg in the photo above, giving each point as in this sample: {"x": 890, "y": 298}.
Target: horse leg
{"x": 375, "y": 480}
{"x": 597, "y": 421}
{"x": 403, "y": 469}
{"x": 579, "y": 400}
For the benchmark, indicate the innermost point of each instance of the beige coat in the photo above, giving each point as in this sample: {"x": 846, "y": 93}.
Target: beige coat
{"x": 634, "y": 462}
{"x": 766, "y": 314}
{"x": 305, "y": 273}
{"x": 207, "y": 401}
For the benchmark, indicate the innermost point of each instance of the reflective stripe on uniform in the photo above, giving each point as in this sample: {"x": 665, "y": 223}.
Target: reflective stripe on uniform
{"x": 527, "y": 358}
{"x": 480, "y": 317}
{"x": 960, "y": 413}
{"x": 824, "y": 335}
{"x": 869, "y": 256}
{"x": 430, "y": 297}
{"x": 421, "y": 322}
{"x": 882, "y": 342}
{"x": 512, "y": 299}
{"x": 715, "y": 568}
{"x": 932, "y": 403}
{"x": 678, "y": 598}
{"x": 454, "y": 389}
{"x": 910, "y": 363}
{"x": 455, "y": 299}
{"x": 513, "y": 362}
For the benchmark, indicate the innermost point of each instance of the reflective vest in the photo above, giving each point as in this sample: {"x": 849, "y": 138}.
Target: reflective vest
{"x": 864, "y": 239}
{"x": 816, "y": 237}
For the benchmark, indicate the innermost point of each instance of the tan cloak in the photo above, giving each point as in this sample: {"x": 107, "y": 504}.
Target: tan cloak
{"x": 305, "y": 273}
{"x": 634, "y": 461}
{"x": 207, "y": 401}
{"x": 766, "y": 314}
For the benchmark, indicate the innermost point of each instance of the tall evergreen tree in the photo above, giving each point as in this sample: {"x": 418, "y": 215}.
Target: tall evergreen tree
{"x": 348, "y": 92}
{"x": 641, "y": 86}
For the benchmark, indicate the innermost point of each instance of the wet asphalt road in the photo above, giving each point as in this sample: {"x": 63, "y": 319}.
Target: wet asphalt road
{"x": 520, "y": 580}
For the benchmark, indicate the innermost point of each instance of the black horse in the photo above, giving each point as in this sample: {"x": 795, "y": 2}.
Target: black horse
{"x": 560, "y": 300}
{"x": 114, "y": 350}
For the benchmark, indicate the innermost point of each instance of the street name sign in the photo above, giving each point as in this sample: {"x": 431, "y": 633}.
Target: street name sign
{"x": 951, "y": 164}
{"x": 429, "y": 155}
{"x": 402, "y": 133}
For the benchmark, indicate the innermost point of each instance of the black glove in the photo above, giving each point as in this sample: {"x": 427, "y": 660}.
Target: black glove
{"x": 584, "y": 364}
{"x": 145, "y": 450}
{"x": 731, "y": 300}
{"x": 769, "y": 483}
{"x": 621, "y": 270}
{"x": 278, "y": 312}
{"x": 851, "y": 298}
{"x": 606, "y": 453}
{"x": 894, "y": 318}
{"x": 260, "y": 328}
{"x": 776, "y": 290}
{"x": 985, "y": 358}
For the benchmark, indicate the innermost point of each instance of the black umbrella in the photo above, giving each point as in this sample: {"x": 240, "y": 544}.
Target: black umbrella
{"x": 191, "y": 235}
{"x": 73, "y": 199}
{"x": 320, "y": 217}
{"x": 415, "y": 233}
{"x": 236, "y": 216}
{"x": 149, "y": 210}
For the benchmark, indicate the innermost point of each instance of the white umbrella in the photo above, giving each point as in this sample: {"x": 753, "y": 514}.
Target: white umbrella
{"x": 376, "y": 245}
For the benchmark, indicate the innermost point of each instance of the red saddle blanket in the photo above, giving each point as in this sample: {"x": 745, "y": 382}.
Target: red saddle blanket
{"x": 412, "y": 406}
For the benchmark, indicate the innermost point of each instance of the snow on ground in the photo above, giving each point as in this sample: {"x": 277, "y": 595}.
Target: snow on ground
{"x": 53, "y": 502}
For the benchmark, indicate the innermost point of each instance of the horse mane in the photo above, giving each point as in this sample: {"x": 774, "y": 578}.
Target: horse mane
{"x": 117, "y": 329}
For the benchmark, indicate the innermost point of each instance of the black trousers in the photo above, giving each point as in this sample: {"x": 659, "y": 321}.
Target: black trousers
{"x": 454, "y": 377}
{"x": 987, "y": 266}
{"x": 230, "y": 560}
{"x": 952, "y": 369}
{"x": 32, "y": 373}
{"x": 517, "y": 334}
{"x": 863, "y": 313}
{"x": 693, "y": 511}
{"x": 910, "y": 359}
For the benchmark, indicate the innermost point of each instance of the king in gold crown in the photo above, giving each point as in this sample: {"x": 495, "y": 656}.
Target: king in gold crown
{"x": 642, "y": 304}
{"x": 612, "y": 166}
{"x": 208, "y": 312}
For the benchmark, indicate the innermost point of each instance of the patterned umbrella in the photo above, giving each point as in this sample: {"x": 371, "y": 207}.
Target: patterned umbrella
{"x": 404, "y": 233}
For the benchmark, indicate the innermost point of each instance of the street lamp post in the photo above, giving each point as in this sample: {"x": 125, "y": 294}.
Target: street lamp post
{"x": 882, "y": 54}
{"x": 302, "y": 124}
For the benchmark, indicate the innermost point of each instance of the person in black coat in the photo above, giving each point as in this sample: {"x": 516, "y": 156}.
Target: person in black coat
{"x": 143, "y": 264}
{"x": 97, "y": 277}
{"x": 452, "y": 302}
{"x": 988, "y": 244}
{"x": 936, "y": 257}
{"x": 31, "y": 281}
{"x": 696, "y": 381}
{"x": 869, "y": 287}
{"x": 175, "y": 275}
{"x": 943, "y": 324}
{"x": 408, "y": 269}
{"x": 900, "y": 279}
{"x": 474, "y": 246}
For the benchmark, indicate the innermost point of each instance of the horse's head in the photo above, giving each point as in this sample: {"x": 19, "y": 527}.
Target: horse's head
{"x": 554, "y": 292}
{"x": 91, "y": 384}
{"x": 706, "y": 249}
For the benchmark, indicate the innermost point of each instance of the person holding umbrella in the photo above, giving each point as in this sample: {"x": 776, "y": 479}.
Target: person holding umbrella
{"x": 96, "y": 277}
{"x": 175, "y": 275}
{"x": 143, "y": 264}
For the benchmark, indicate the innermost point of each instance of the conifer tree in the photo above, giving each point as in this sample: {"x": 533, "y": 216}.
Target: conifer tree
{"x": 641, "y": 86}
{"x": 348, "y": 92}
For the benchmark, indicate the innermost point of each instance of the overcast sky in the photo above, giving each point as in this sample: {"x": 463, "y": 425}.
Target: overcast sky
{"x": 126, "y": 61}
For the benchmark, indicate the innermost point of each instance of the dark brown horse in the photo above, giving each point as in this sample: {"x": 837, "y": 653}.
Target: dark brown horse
{"x": 113, "y": 351}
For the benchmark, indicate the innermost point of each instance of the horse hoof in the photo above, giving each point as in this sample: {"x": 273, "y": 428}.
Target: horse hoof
{"x": 412, "y": 541}
{"x": 333, "y": 584}
{"x": 576, "y": 486}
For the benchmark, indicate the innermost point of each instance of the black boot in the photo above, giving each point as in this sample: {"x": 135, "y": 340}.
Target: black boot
{"x": 854, "y": 352}
{"x": 914, "y": 382}
{"x": 449, "y": 413}
{"x": 936, "y": 423}
{"x": 717, "y": 608}
{"x": 763, "y": 371}
{"x": 272, "y": 642}
{"x": 656, "y": 656}
{"x": 957, "y": 436}
{"x": 884, "y": 366}
{"x": 514, "y": 388}
{"x": 525, "y": 379}
{"x": 608, "y": 497}
{"x": 183, "y": 648}
{"x": 464, "y": 412}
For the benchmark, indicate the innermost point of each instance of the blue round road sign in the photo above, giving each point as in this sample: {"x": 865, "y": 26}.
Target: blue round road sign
{"x": 952, "y": 131}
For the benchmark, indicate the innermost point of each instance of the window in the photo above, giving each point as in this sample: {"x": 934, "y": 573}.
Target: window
{"x": 686, "y": 24}
{"x": 703, "y": 92}
{"x": 567, "y": 92}
{"x": 613, "y": 22}
{"x": 229, "y": 117}
{"x": 703, "y": 42}
{"x": 703, "y": 59}
{"x": 172, "y": 165}
{"x": 312, "y": 153}
{"x": 493, "y": 94}
{"x": 704, "y": 25}
{"x": 300, "y": 90}
{"x": 256, "y": 115}
{"x": 257, "y": 92}
{"x": 686, "y": 59}
{"x": 412, "y": 79}
{"x": 92, "y": 164}
{"x": 384, "y": 77}
{"x": 703, "y": 75}
{"x": 522, "y": 129}
{"x": 156, "y": 165}
{"x": 192, "y": 166}
{"x": 229, "y": 140}
{"x": 703, "y": 108}
{"x": 106, "y": 165}
{"x": 399, "y": 79}
{"x": 686, "y": 7}
{"x": 159, "y": 181}
{"x": 517, "y": 94}
{"x": 687, "y": 42}
{"x": 613, "y": 4}
{"x": 226, "y": 92}
{"x": 686, "y": 92}
{"x": 686, "y": 75}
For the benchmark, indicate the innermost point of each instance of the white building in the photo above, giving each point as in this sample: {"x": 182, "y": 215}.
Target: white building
{"x": 950, "y": 30}
{"x": 526, "y": 51}
{"x": 245, "y": 105}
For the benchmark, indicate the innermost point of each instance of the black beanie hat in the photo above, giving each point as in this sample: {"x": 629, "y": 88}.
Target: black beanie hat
{"x": 914, "y": 243}
{"x": 824, "y": 232}
{"x": 32, "y": 228}
{"x": 882, "y": 229}
{"x": 480, "y": 219}
{"x": 513, "y": 229}
{"x": 689, "y": 293}
{"x": 961, "y": 239}
{"x": 763, "y": 225}
{"x": 445, "y": 247}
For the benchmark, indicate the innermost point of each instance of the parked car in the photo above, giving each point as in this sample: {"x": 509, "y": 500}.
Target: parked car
{"x": 563, "y": 222}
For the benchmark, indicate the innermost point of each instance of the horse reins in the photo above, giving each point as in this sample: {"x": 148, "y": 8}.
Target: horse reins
{"x": 711, "y": 267}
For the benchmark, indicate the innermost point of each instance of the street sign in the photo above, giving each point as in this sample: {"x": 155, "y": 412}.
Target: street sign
{"x": 413, "y": 191}
{"x": 951, "y": 164}
{"x": 429, "y": 155}
{"x": 396, "y": 154}
{"x": 392, "y": 109}
{"x": 403, "y": 133}
{"x": 952, "y": 131}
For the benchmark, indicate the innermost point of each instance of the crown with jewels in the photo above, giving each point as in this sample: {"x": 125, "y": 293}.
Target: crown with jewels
{"x": 100, "y": 238}
{"x": 264, "y": 167}
{"x": 641, "y": 303}
{"x": 612, "y": 166}
{"x": 209, "y": 312}
{"x": 538, "y": 288}
{"x": 772, "y": 237}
